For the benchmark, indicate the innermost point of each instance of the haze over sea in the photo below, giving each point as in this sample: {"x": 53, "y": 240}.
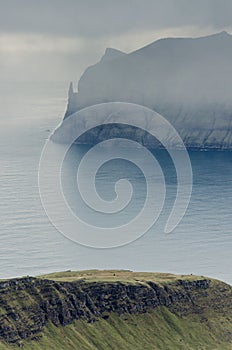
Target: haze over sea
{"x": 30, "y": 245}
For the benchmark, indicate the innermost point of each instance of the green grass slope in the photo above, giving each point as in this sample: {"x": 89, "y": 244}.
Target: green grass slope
{"x": 203, "y": 324}
{"x": 158, "y": 330}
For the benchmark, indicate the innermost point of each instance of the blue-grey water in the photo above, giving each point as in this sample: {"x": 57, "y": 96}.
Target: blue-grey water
{"x": 30, "y": 245}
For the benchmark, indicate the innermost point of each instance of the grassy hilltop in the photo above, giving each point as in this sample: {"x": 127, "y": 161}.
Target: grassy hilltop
{"x": 115, "y": 310}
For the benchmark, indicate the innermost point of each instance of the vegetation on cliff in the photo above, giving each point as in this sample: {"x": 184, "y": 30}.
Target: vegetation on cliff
{"x": 115, "y": 310}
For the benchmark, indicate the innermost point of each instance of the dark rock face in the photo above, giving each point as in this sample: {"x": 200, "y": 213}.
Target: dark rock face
{"x": 27, "y": 304}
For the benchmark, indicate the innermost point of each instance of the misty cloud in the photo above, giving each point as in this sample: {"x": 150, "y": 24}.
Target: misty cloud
{"x": 64, "y": 37}
{"x": 91, "y": 18}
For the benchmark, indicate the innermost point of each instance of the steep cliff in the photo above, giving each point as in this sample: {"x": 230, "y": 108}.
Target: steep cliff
{"x": 92, "y": 304}
{"x": 186, "y": 80}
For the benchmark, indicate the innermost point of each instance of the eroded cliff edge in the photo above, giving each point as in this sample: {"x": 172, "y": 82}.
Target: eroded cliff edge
{"x": 28, "y": 304}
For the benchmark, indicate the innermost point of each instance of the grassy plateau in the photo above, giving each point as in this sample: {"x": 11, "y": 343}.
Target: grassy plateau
{"x": 115, "y": 310}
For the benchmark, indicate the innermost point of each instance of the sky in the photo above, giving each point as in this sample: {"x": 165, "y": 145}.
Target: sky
{"x": 56, "y": 40}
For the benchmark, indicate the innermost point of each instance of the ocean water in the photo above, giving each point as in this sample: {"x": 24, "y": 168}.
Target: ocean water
{"x": 31, "y": 245}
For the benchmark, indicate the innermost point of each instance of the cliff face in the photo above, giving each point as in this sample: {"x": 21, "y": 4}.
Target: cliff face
{"x": 186, "y": 80}
{"x": 29, "y": 304}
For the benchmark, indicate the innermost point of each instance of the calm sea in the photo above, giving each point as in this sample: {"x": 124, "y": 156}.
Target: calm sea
{"x": 30, "y": 245}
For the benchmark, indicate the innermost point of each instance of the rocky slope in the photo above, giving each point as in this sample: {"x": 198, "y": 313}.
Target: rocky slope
{"x": 89, "y": 300}
{"x": 186, "y": 80}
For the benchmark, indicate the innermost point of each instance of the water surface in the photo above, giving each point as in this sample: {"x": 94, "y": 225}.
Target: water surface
{"x": 30, "y": 245}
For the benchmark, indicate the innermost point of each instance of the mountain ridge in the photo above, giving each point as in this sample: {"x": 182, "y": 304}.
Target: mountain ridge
{"x": 186, "y": 80}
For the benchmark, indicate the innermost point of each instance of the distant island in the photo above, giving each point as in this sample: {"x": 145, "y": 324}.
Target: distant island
{"x": 186, "y": 80}
{"x": 113, "y": 309}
